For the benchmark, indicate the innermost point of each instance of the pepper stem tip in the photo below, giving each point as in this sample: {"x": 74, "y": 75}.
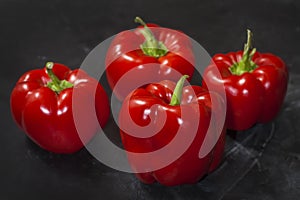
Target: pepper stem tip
{"x": 176, "y": 97}
{"x": 49, "y": 65}
{"x": 139, "y": 20}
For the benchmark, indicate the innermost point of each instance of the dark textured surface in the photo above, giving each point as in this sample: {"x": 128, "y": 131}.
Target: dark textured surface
{"x": 263, "y": 163}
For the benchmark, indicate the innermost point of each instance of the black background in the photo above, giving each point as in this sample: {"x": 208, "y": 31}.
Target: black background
{"x": 33, "y": 32}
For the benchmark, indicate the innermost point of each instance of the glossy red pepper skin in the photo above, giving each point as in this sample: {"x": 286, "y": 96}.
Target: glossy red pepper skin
{"x": 126, "y": 56}
{"x": 252, "y": 97}
{"x": 47, "y": 117}
{"x": 145, "y": 106}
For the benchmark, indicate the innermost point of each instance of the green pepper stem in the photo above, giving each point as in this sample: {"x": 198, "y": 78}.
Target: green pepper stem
{"x": 55, "y": 84}
{"x": 176, "y": 97}
{"x": 52, "y": 76}
{"x": 245, "y": 64}
{"x": 151, "y": 46}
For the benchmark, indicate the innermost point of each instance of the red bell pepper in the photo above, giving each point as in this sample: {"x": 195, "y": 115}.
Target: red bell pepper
{"x": 145, "y": 55}
{"x": 42, "y": 105}
{"x": 173, "y": 126}
{"x": 255, "y": 85}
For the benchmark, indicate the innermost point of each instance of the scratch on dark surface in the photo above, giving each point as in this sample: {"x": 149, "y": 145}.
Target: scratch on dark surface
{"x": 267, "y": 141}
{"x": 255, "y": 155}
{"x": 239, "y": 147}
{"x": 238, "y": 180}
